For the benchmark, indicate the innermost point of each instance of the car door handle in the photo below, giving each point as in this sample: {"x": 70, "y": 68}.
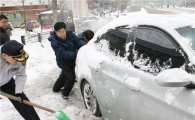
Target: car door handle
{"x": 132, "y": 84}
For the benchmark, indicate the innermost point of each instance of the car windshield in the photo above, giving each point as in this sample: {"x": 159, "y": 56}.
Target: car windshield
{"x": 188, "y": 32}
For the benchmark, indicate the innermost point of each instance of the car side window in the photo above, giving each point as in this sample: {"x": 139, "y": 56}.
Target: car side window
{"x": 154, "y": 51}
{"x": 100, "y": 38}
{"x": 117, "y": 40}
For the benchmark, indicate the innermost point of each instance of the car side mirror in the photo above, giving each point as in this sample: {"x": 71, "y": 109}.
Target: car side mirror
{"x": 174, "y": 78}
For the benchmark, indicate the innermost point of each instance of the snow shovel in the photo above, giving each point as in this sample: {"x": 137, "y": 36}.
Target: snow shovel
{"x": 60, "y": 115}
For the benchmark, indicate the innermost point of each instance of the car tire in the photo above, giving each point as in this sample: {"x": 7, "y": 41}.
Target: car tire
{"x": 90, "y": 99}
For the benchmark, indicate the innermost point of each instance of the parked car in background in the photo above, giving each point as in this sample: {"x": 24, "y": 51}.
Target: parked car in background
{"x": 140, "y": 69}
{"x": 35, "y": 24}
{"x": 89, "y": 24}
{"x": 78, "y": 21}
{"x": 93, "y": 22}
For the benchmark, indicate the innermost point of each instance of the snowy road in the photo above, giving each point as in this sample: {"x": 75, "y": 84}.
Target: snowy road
{"x": 180, "y": 10}
{"x": 164, "y": 10}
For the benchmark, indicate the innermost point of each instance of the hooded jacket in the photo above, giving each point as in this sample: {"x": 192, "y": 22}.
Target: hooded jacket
{"x": 65, "y": 49}
{"x": 70, "y": 26}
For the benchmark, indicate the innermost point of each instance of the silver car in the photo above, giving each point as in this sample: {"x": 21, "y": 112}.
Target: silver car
{"x": 140, "y": 69}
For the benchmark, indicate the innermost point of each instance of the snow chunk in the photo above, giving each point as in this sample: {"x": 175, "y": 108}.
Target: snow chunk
{"x": 113, "y": 93}
{"x": 170, "y": 96}
{"x": 133, "y": 82}
{"x": 181, "y": 74}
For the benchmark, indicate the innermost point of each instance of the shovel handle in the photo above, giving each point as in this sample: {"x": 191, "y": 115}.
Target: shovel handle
{"x": 26, "y": 102}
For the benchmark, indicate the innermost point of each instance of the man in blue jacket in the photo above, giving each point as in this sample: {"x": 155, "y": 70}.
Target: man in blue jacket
{"x": 65, "y": 43}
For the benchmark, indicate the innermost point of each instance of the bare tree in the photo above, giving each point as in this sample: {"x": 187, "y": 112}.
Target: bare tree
{"x": 23, "y": 10}
{"x": 54, "y": 11}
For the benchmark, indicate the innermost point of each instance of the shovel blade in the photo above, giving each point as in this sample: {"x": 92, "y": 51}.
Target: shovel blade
{"x": 60, "y": 115}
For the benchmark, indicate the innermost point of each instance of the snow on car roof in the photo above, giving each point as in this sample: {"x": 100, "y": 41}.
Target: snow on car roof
{"x": 48, "y": 12}
{"x": 166, "y": 22}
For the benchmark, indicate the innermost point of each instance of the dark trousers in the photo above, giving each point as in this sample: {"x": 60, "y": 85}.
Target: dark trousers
{"x": 66, "y": 79}
{"x": 26, "y": 111}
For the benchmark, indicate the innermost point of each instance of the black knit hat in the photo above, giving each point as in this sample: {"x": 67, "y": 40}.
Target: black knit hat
{"x": 15, "y": 50}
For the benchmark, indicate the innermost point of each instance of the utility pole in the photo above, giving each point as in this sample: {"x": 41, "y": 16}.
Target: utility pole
{"x": 87, "y": 9}
{"x": 54, "y": 11}
{"x": 110, "y": 8}
{"x": 69, "y": 6}
{"x": 80, "y": 11}
{"x": 185, "y": 3}
{"x": 63, "y": 10}
{"x": 24, "y": 15}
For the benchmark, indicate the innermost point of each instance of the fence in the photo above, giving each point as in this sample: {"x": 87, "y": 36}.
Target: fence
{"x": 39, "y": 37}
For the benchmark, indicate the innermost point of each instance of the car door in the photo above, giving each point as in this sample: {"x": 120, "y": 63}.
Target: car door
{"x": 110, "y": 77}
{"x": 154, "y": 51}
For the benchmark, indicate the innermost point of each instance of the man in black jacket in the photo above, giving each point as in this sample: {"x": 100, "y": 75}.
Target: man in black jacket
{"x": 3, "y": 35}
{"x": 70, "y": 24}
{"x": 86, "y": 36}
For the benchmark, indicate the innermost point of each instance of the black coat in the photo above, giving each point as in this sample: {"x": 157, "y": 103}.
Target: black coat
{"x": 70, "y": 26}
{"x": 3, "y": 36}
{"x": 81, "y": 36}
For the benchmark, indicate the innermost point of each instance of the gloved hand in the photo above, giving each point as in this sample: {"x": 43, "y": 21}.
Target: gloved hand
{"x": 20, "y": 97}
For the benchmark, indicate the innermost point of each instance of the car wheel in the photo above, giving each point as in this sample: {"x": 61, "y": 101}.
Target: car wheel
{"x": 90, "y": 100}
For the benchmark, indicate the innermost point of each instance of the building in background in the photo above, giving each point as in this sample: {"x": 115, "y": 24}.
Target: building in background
{"x": 15, "y": 9}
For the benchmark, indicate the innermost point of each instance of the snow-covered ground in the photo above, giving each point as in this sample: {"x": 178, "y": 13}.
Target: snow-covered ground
{"x": 42, "y": 72}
